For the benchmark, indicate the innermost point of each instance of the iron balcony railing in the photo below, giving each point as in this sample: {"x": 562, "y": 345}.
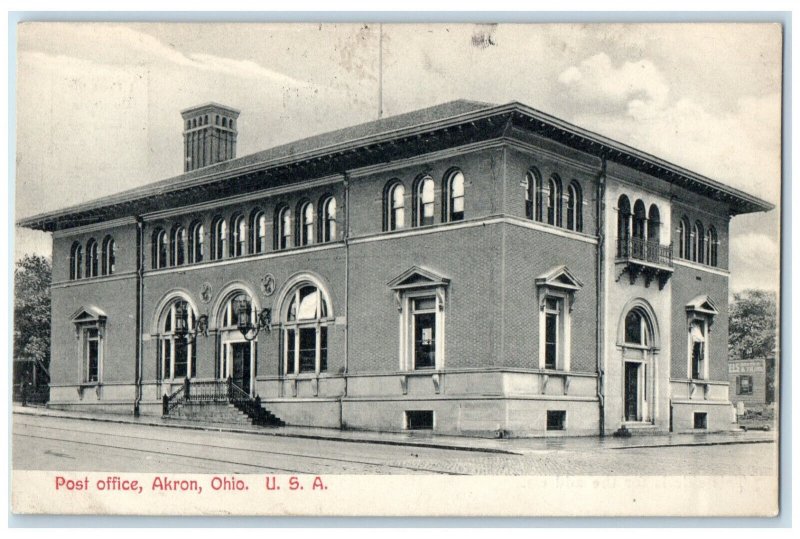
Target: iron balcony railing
{"x": 644, "y": 250}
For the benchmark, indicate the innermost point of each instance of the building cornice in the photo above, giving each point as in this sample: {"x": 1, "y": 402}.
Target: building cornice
{"x": 103, "y": 226}
{"x": 382, "y": 145}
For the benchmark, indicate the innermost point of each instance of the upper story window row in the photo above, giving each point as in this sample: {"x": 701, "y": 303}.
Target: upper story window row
{"x": 698, "y": 243}
{"x": 546, "y": 202}
{"x": 245, "y": 234}
{"x": 93, "y": 260}
{"x": 423, "y": 201}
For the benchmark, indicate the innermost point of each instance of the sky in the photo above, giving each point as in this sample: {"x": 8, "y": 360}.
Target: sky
{"x": 98, "y": 104}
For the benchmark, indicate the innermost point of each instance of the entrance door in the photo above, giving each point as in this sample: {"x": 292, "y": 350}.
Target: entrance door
{"x": 631, "y": 391}
{"x": 240, "y": 353}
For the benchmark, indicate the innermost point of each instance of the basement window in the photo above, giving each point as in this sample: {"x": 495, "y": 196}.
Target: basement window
{"x": 419, "y": 419}
{"x": 700, "y": 420}
{"x": 556, "y": 419}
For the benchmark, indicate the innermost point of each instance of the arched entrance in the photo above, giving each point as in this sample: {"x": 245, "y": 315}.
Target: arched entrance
{"x": 236, "y": 356}
{"x": 639, "y": 343}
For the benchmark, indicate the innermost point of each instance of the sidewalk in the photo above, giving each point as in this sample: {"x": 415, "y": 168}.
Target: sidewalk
{"x": 513, "y": 446}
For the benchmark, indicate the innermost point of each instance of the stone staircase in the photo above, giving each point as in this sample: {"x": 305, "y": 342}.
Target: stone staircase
{"x": 217, "y": 402}
{"x": 210, "y": 412}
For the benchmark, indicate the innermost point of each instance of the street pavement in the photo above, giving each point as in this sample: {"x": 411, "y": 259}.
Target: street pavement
{"x": 51, "y": 440}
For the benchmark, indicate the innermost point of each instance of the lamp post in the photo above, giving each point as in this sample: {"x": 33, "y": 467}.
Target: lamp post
{"x": 182, "y": 329}
{"x": 244, "y": 313}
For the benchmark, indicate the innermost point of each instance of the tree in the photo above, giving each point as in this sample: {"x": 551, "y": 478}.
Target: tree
{"x": 752, "y": 325}
{"x": 32, "y": 278}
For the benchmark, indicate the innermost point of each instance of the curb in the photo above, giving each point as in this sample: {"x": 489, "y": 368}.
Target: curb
{"x": 691, "y": 444}
{"x": 427, "y": 445}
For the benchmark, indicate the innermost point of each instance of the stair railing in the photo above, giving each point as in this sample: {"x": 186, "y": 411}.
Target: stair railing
{"x": 170, "y": 402}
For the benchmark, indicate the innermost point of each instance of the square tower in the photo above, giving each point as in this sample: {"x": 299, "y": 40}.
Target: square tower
{"x": 209, "y": 135}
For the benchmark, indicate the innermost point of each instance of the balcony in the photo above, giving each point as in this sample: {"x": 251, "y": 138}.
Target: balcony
{"x": 638, "y": 256}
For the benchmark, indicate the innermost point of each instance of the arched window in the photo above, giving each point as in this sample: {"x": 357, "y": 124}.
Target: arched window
{"x": 305, "y": 223}
{"x": 639, "y": 230}
{"x": 575, "y": 207}
{"x": 454, "y": 201}
{"x": 109, "y": 256}
{"x": 623, "y": 227}
{"x": 538, "y": 188}
{"x": 91, "y": 258}
{"x": 712, "y": 244}
{"x": 159, "y": 249}
{"x": 654, "y": 225}
{"x": 197, "y": 233}
{"x": 423, "y": 202}
{"x": 637, "y": 331}
{"x": 530, "y": 194}
{"x": 394, "y": 206}
{"x": 177, "y": 353}
{"x": 177, "y": 246}
{"x": 283, "y": 228}
{"x": 238, "y": 235}
{"x": 219, "y": 238}
{"x": 554, "y": 201}
{"x": 258, "y": 231}
{"x": 75, "y": 261}
{"x": 328, "y": 219}
{"x": 698, "y": 243}
{"x": 684, "y": 238}
{"x": 306, "y": 317}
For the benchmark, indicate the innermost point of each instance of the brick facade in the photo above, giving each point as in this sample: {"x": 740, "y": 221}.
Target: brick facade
{"x": 493, "y": 276}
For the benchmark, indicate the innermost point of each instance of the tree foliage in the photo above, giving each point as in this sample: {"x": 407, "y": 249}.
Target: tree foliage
{"x": 32, "y": 309}
{"x": 752, "y": 325}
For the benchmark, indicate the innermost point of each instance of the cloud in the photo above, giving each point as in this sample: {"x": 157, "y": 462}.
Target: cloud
{"x": 755, "y": 261}
{"x": 637, "y": 87}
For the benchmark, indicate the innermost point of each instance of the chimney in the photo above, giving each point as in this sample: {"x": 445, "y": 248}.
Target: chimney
{"x": 209, "y": 135}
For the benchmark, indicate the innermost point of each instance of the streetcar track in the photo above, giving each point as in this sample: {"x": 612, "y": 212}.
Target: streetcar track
{"x": 229, "y": 448}
{"x": 108, "y": 446}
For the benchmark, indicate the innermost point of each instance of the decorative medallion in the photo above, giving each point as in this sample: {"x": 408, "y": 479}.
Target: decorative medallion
{"x": 268, "y": 284}
{"x": 205, "y": 292}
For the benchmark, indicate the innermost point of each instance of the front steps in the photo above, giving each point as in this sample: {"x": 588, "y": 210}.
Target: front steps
{"x": 210, "y": 412}
{"x": 235, "y": 413}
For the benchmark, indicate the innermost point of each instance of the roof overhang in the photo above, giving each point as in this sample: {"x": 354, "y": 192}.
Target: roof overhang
{"x": 250, "y": 173}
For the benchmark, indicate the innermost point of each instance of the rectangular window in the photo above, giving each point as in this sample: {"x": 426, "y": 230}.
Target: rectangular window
{"x": 556, "y": 419}
{"x": 419, "y": 419}
{"x": 552, "y": 333}
{"x": 323, "y": 349}
{"x": 424, "y": 325}
{"x": 744, "y": 385}
{"x": 308, "y": 349}
{"x": 92, "y": 355}
{"x": 697, "y": 360}
{"x": 181, "y": 359}
{"x": 700, "y": 420}
{"x": 290, "y": 350}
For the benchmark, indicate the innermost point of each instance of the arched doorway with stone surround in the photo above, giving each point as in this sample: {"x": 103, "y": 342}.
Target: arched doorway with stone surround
{"x": 638, "y": 342}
